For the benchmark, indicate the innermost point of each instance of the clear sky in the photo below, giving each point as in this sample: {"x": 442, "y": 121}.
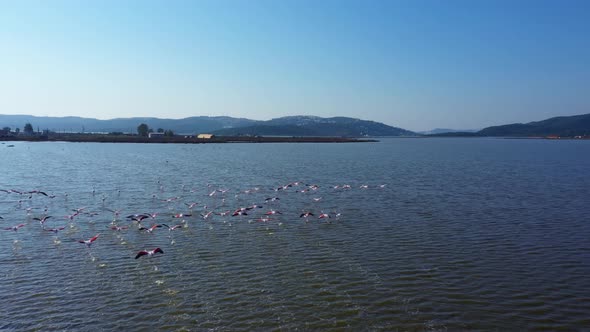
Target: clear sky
{"x": 412, "y": 64}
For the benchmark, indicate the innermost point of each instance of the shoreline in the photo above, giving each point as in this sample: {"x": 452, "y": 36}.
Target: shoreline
{"x": 92, "y": 138}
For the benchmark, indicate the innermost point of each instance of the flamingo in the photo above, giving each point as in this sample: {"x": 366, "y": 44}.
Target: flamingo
{"x": 306, "y": 214}
{"x": 271, "y": 212}
{"x": 14, "y": 228}
{"x": 191, "y": 205}
{"x": 42, "y": 220}
{"x": 206, "y": 215}
{"x": 37, "y": 192}
{"x": 239, "y": 212}
{"x": 89, "y": 242}
{"x": 151, "y": 229}
{"x": 55, "y": 230}
{"x": 171, "y": 228}
{"x": 115, "y": 212}
{"x": 272, "y": 199}
{"x": 149, "y": 253}
{"x": 138, "y": 217}
{"x": 118, "y": 228}
{"x": 182, "y": 215}
{"x": 223, "y": 213}
{"x": 70, "y": 217}
{"x": 324, "y": 215}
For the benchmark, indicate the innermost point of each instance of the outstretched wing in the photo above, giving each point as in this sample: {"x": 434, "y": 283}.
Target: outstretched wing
{"x": 141, "y": 253}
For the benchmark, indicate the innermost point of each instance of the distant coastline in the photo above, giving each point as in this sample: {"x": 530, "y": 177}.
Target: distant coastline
{"x": 179, "y": 139}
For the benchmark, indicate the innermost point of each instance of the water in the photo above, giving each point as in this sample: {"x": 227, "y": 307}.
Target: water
{"x": 467, "y": 234}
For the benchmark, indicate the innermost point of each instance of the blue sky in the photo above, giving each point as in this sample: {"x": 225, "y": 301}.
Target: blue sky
{"x": 412, "y": 64}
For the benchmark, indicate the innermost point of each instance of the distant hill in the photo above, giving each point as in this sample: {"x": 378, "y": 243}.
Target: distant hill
{"x": 220, "y": 125}
{"x": 564, "y": 126}
{"x": 446, "y": 130}
{"x": 198, "y": 124}
{"x": 317, "y": 126}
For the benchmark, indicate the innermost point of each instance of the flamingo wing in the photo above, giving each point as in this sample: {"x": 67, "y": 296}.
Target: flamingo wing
{"x": 141, "y": 253}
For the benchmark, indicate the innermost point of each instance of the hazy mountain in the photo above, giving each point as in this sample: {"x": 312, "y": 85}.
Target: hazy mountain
{"x": 566, "y": 126}
{"x": 198, "y": 124}
{"x": 285, "y": 126}
{"x": 317, "y": 126}
{"x": 446, "y": 130}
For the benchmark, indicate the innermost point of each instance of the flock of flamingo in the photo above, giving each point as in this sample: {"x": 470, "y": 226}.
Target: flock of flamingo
{"x": 175, "y": 212}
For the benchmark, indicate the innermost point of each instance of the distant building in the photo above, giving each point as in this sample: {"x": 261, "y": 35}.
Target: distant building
{"x": 153, "y": 135}
{"x": 206, "y": 136}
{"x": 5, "y": 133}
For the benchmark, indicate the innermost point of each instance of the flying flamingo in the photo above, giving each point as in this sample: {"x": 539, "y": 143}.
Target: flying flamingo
{"x": 118, "y": 228}
{"x": 271, "y": 212}
{"x": 42, "y": 220}
{"x": 171, "y": 228}
{"x": 55, "y": 230}
{"x": 138, "y": 217}
{"x": 70, "y": 217}
{"x": 239, "y": 212}
{"x": 191, "y": 205}
{"x": 149, "y": 253}
{"x": 263, "y": 219}
{"x": 306, "y": 215}
{"x": 115, "y": 213}
{"x": 89, "y": 242}
{"x": 223, "y": 213}
{"x": 206, "y": 215}
{"x": 14, "y": 228}
{"x": 151, "y": 229}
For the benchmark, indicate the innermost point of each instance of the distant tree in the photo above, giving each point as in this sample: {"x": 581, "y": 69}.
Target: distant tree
{"x": 160, "y": 130}
{"x": 6, "y": 128}
{"x": 17, "y": 130}
{"x": 143, "y": 129}
{"x": 168, "y": 133}
{"x": 28, "y": 129}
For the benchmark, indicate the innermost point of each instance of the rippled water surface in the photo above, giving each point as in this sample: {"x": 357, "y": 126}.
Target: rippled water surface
{"x": 465, "y": 234}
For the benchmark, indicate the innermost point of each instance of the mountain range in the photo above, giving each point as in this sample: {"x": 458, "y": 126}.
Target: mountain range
{"x": 564, "y": 126}
{"x": 220, "y": 125}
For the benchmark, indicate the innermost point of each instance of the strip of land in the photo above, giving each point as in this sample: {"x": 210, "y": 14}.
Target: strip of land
{"x": 105, "y": 138}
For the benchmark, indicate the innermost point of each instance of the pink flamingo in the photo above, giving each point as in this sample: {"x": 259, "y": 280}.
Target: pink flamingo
{"x": 149, "y": 253}
{"x": 89, "y": 242}
{"x": 55, "y": 230}
{"x": 14, "y": 228}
